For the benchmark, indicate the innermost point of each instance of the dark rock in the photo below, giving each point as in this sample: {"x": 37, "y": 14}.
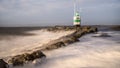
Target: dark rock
{"x": 3, "y": 64}
{"x": 74, "y": 37}
{"x": 60, "y": 28}
{"x": 78, "y": 34}
{"x": 37, "y": 54}
{"x": 93, "y": 29}
{"x": 70, "y": 40}
{"x": 21, "y": 59}
{"x": 39, "y": 61}
{"x": 88, "y": 29}
{"x": 85, "y": 29}
{"x": 54, "y": 45}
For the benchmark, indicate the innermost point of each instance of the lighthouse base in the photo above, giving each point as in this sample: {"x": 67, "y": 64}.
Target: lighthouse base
{"x": 77, "y": 27}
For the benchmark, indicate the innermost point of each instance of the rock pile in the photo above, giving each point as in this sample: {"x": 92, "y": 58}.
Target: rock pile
{"x": 58, "y": 28}
{"x": 24, "y": 58}
{"x": 37, "y": 56}
{"x": 74, "y": 37}
{"x": 3, "y": 64}
{"x": 53, "y": 45}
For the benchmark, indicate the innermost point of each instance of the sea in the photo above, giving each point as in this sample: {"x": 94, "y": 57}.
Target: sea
{"x": 89, "y": 52}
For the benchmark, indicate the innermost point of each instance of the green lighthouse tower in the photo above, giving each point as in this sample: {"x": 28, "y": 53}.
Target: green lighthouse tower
{"x": 76, "y": 18}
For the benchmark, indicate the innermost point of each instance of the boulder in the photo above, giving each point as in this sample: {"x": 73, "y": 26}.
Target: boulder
{"x": 78, "y": 34}
{"x": 3, "y": 64}
{"x": 60, "y": 28}
{"x": 93, "y": 29}
{"x": 54, "y": 45}
{"x": 69, "y": 40}
{"x": 38, "y": 61}
{"x": 23, "y": 58}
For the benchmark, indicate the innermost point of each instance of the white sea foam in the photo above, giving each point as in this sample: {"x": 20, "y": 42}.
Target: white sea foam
{"x": 20, "y": 44}
{"x": 90, "y": 52}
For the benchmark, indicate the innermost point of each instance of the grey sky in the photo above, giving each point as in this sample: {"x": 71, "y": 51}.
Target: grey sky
{"x": 58, "y": 12}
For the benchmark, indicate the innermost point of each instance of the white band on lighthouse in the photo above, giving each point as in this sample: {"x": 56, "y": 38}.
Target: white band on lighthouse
{"x": 76, "y": 18}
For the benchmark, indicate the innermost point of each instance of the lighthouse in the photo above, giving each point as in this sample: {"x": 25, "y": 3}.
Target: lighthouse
{"x": 76, "y": 18}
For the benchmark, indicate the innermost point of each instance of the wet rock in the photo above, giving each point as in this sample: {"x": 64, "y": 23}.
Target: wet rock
{"x": 60, "y": 28}
{"x": 78, "y": 34}
{"x": 54, "y": 45}
{"x": 34, "y": 55}
{"x": 3, "y": 64}
{"x": 93, "y": 29}
{"x": 88, "y": 29}
{"x": 80, "y": 31}
{"x": 21, "y": 59}
{"x": 39, "y": 61}
{"x": 74, "y": 37}
{"x": 70, "y": 40}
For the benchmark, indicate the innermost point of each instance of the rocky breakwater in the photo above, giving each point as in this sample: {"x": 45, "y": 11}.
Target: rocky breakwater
{"x": 54, "y": 44}
{"x": 69, "y": 39}
{"x": 26, "y": 57}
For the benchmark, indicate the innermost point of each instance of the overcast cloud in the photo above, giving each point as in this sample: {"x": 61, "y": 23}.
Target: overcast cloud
{"x": 58, "y": 12}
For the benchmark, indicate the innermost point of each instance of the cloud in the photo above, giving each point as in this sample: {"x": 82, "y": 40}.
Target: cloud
{"x": 31, "y": 7}
{"x": 46, "y": 11}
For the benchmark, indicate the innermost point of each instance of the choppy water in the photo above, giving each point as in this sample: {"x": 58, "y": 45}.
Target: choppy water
{"x": 90, "y": 52}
